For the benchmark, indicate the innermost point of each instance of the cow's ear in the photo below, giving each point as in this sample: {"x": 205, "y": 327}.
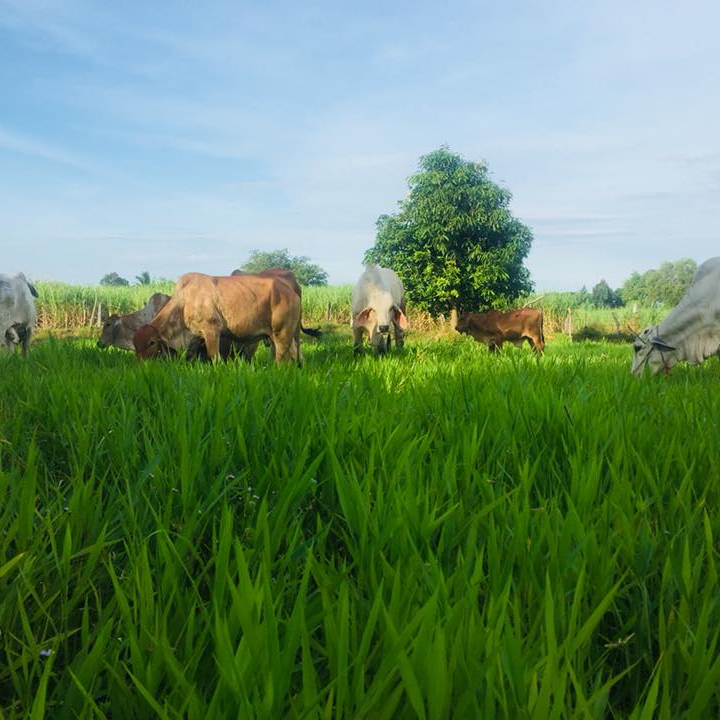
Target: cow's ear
{"x": 363, "y": 316}
{"x": 660, "y": 344}
{"x": 400, "y": 318}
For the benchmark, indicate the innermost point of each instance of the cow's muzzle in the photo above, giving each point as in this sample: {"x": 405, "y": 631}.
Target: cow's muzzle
{"x": 384, "y": 328}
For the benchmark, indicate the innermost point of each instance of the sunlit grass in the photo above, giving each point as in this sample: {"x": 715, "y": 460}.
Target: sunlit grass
{"x": 442, "y": 534}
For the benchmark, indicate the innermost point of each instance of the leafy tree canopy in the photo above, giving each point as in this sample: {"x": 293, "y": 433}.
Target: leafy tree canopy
{"x": 454, "y": 242}
{"x": 143, "y": 278}
{"x": 306, "y": 272}
{"x": 664, "y": 285}
{"x": 604, "y": 296}
{"x": 113, "y": 279}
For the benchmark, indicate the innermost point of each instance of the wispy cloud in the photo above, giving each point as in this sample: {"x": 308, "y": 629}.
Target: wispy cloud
{"x": 26, "y": 145}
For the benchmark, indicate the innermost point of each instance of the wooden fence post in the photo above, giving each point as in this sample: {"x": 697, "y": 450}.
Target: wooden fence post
{"x": 568, "y": 324}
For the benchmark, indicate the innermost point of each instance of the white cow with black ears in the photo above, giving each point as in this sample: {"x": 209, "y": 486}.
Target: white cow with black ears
{"x": 378, "y": 303}
{"x": 17, "y": 311}
{"x": 690, "y": 332}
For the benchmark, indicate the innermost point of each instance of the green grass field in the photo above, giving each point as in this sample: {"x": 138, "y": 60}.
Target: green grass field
{"x": 441, "y": 534}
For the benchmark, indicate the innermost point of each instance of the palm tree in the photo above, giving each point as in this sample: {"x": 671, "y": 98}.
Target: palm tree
{"x": 143, "y": 278}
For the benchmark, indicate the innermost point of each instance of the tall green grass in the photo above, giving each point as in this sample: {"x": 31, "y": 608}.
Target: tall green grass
{"x": 60, "y": 305}
{"x": 438, "y": 534}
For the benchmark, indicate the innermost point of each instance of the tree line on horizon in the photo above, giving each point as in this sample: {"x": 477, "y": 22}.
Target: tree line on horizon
{"x": 456, "y": 245}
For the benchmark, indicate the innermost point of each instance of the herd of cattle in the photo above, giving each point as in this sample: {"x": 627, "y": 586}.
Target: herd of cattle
{"x": 228, "y": 316}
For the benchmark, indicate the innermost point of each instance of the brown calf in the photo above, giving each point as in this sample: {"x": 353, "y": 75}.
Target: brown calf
{"x": 494, "y": 328}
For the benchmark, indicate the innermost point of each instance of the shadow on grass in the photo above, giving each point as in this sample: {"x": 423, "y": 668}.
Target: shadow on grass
{"x": 591, "y": 333}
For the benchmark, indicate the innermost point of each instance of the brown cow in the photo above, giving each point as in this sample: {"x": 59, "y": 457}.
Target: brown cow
{"x": 118, "y": 331}
{"x": 203, "y": 306}
{"x": 494, "y": 328}
{"x": 287, "y": 276}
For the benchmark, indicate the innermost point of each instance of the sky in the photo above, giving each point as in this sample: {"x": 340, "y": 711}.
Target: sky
{"x": 176, "y": 136}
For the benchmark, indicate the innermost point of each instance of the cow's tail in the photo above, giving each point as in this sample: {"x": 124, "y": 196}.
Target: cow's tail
{"x": 313, "y": 332}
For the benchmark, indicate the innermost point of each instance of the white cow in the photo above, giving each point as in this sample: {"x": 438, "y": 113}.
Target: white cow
{"x": 378, "y": 301}
{"x": 690, "y": 332}
{"x": 17, "y": 311}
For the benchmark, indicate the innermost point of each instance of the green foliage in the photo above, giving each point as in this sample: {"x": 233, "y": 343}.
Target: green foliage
{"x": 664, "y": 285}
{"x": 454, "y": 242}
{"x": 306, "y": 272}
{"x": 534, "y": 539}
{"x": 604, "y": 296}
{"x": 143, "y": 278}
{"x": 113, "y": 279}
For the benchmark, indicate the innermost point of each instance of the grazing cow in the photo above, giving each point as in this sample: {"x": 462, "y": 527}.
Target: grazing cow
{"x": 247, "y": 307}
{"x": 287, "y": 276}
{"x": 118, "y": 330}
{"x": 17, "y": 311}
{"x": 494, "y": 328}
{"x": 690, "y": 332}
{"x": 378, "y": 302}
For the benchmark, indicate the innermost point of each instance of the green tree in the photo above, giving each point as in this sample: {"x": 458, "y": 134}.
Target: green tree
{"x": 604, "y": 296}
{"x": 454, "y": 242}
{"x": 306, "y": 272}
{"x": 664, "y": 285}
{"x": 113, "y": 279}
{"x": 143, "y": 278}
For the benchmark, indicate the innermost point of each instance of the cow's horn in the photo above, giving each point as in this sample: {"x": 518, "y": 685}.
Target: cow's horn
{"x": 661, "y": 344}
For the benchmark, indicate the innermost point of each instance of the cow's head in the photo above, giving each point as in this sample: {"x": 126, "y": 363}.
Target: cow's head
{"x": 377, "y": 321}
{"x": 149, "y": 343}
{"x": 463, "y": 323}
{"x": 653, "y": 352}
{"x": 110, "y": 329}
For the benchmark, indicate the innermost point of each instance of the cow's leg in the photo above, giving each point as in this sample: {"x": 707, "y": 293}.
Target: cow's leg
{"x": 6, "y": 338}
{"x": 357, "y": 339}
{"x": 296, "y": 345}
{"x": 247, "y": 350}
{"x": 398, "y": 336}
{"x": 212, "y": 342}
{"x": 284, "y": 350}
{"x": 26, "y": 340}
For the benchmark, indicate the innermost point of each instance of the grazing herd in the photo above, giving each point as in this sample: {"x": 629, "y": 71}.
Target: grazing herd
{"x": 209, "y": 317}
{"x": 248, "y": 308}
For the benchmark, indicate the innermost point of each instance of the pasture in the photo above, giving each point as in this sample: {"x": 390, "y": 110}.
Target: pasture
{"x": 440, "y": 534}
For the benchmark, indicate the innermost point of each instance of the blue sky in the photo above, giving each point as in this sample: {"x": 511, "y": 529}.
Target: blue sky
{"x": 172, "y": 137}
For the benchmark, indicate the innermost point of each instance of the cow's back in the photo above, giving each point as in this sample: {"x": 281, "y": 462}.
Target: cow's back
{"x": 16, "y": 298}
{"x": 524, "y": 320}
{"x": 376, "y": 281}
{"x": 394, "y": 285}
{"x": 695, "y": 320}
{"x": 244, "y": 305}
{"x": 287, "y": 276}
